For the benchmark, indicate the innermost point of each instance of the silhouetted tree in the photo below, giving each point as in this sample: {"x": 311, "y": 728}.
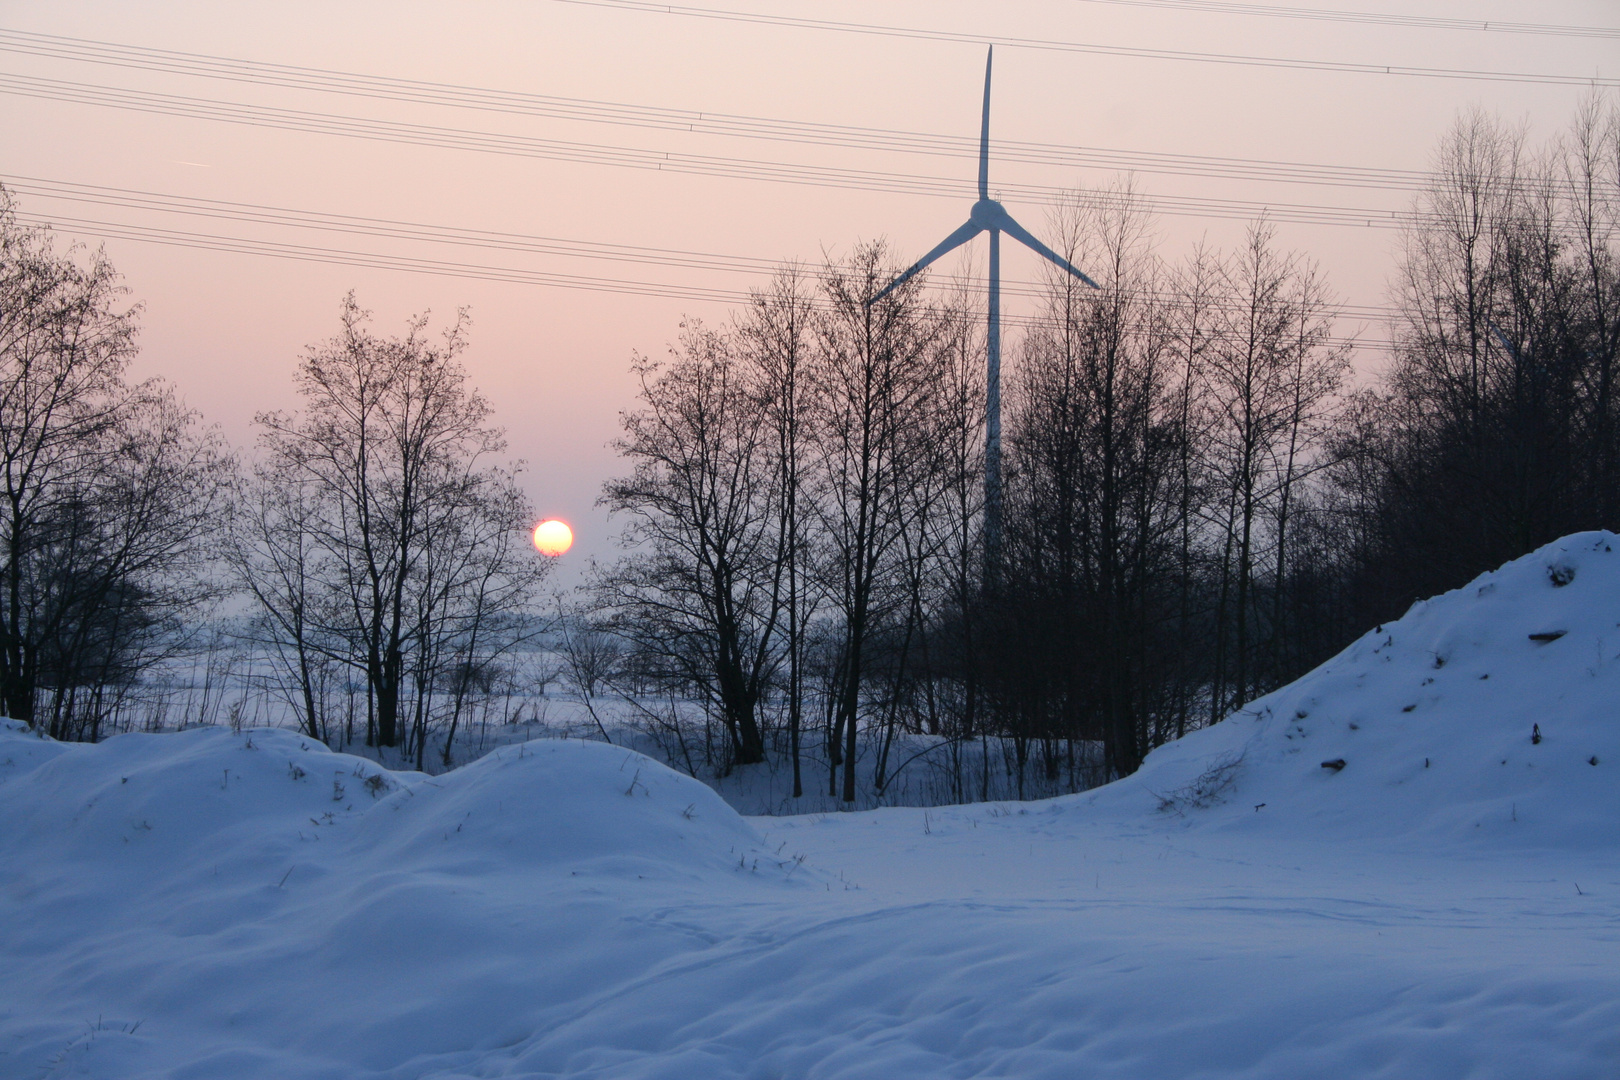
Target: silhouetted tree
{"x": 378, "y": 534}
{"x": 876, "y": 373}
{"x": 775, "y": 341}
{"x": 108, "y": 491}
{"x": 1271, "y": 373}
{"x": 1495, "y": 426}
{"x": 702, "y": 591}
{"x": 1100, "y": 434}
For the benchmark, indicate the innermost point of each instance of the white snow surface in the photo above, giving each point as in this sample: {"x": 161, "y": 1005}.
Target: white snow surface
{"x": 210, "y": 904}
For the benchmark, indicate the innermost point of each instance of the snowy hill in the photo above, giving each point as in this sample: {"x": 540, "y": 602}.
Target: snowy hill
{"x": 211, "y": 904}
{"x": 206, "y": 882}
{"x": 1489, "y": 715}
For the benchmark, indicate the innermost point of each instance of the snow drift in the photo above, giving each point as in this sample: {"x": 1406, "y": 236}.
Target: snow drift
{"x": 258, "y": 884}
{"x": 1490, "y": 714}
{"x": 211, "y": 904}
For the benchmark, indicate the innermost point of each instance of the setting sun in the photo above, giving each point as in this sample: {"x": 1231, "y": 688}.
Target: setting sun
{"x": 553, "y": 537}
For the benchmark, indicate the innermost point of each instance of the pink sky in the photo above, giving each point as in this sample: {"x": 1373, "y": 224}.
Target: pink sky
{"x": 227, "y": 327}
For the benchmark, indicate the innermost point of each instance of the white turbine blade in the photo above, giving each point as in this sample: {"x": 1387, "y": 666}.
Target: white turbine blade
{"x": 965, "y": 232}
{"x": 1022, "y": 235}
{"x": 984, "y": 131}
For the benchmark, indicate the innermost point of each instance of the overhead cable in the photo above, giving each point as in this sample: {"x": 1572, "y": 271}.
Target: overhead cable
{"x": 1373, "y": 18}
{"x": 1125, "y": 51}
{"x": 497, "y": 240}
{"x": 664, "y": 118}
{"x": 189, "y": 238}
{"x": 663, "y": 161}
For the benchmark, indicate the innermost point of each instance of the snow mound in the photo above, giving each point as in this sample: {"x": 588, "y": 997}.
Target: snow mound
{"x": 21, "y": 751}
{"x": 581, "y": 807}
{"x": 282, "y": 910}
{"x": 141, "y": 802}
{"x": 1490, "y": 713}
{"x": 140, "y": 797}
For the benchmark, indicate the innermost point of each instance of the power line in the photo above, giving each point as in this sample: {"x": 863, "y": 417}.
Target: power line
{"x": 474, "y": 238}
{"x": 489, "y": 239}
{"x": 372, "y": 260}
{"x": 1373, "y": 18}
{"x": 1131, "y": 52}
{"x": 446, "y": 268}
{"x": 662, "y": 118}
{"x": 385, "y": 228}
{"x": 663, "y": 161}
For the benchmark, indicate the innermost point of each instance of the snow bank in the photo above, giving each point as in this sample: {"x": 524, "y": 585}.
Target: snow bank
{"x": 557, "y": 805}
{"x": 139, "y": 797}
{"x": 1488, "y": 715}
{"x": 560, "y": 806}
{"x": 255, "y": 905}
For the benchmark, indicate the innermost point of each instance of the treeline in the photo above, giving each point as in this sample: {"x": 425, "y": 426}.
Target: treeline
{"x": 1198, "y": 507}
{"x": 372, "y": 552}
{"x": 1494, "y": 428}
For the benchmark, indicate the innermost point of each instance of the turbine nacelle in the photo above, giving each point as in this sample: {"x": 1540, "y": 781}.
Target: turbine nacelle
{"x": 988, "y": 214}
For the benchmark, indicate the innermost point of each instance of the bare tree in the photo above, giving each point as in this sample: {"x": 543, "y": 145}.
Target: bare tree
{"x": 875, "y": 375}
{"x": 1589, "y": 168}
{"x": 415, "y": 535}
{"x": 1193, "y": 321}
{"x": 775, "y": 342}
{"x": 275, "y": 555}
{"x": 702, "y": 591}
{"x": 474, "y": 596}
{"x": 109, "y": 490}
{"x": 1271, "y": 372}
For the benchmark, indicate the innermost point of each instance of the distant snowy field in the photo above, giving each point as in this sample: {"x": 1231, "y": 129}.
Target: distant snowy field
{"x": 1444, "y": 904}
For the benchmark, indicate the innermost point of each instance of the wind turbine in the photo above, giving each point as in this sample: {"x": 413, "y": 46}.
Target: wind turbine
{"x": 989, "y": 216}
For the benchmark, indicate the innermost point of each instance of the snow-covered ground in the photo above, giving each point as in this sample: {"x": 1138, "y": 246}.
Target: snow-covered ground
{"x": 1445, "y": 903}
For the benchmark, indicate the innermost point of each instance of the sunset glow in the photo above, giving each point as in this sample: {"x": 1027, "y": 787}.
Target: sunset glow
{"x": 553, "y": 537}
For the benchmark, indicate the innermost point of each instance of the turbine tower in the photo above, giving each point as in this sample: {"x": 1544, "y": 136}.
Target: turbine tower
{"x": 989, "y": 216}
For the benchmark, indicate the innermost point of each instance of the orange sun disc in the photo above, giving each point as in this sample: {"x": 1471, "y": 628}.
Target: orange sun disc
{"x": 553, "y": 537}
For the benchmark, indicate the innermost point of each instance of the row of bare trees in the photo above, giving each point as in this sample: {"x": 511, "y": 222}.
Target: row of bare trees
{"x": 1197, "y": 508}
{"x": 789, "y": 494}
{"x": 1165, "y": 428}
{"x": 1497, "y": 427}
{"x": 378, "y": 541}
{"x": 805, "y": 500}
